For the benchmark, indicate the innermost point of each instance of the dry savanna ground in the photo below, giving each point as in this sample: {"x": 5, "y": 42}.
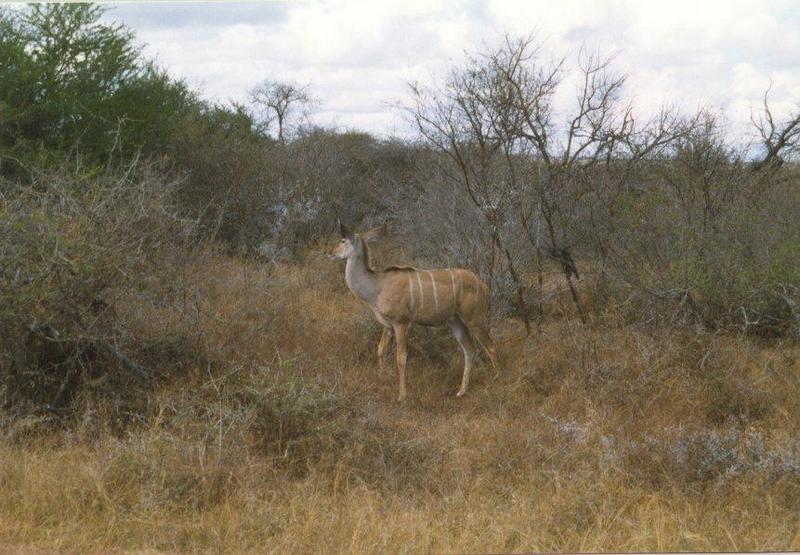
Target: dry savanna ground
{"x": 279, "y": 431}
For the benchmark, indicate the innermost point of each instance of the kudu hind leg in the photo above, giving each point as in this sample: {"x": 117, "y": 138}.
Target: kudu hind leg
{"x": 484, "y": 339}
{"x": 461, "y": 334}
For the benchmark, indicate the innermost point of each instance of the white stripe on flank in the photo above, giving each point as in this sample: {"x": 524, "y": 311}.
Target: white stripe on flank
{"x": 411, "y": 291}
{"x": 421, "y": 292}
{"x": 435, "y": 296}
{"x": 452, "y": 284}
{"x": 453, "y": 290}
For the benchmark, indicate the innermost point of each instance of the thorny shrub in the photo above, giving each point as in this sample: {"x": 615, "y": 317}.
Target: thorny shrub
{"x": 69, "y": 243}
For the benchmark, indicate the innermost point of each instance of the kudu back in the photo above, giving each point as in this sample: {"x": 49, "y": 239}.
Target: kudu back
{"x": 403, "y": 295}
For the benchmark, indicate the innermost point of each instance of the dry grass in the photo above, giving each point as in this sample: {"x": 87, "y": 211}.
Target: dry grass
{"x": 280, "y": 432}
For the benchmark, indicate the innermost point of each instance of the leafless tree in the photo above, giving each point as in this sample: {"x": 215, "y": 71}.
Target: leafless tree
{"x": 778, "y": 140}
{"x": 457, "y": 122}
{"x": 706, "y": 228}
{"x": 523, "y": 164}
{"x": 277, "y": 102}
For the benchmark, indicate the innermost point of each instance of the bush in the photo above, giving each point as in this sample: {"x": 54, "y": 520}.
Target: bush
{"x": 70, "y": 242}
{"x": 230, "y": 176}
{"x": 696, "y": 459}
{"x": 717, "y": 245}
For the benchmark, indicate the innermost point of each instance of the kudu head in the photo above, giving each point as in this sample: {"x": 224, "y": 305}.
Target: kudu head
{"x": 354, "y": 244}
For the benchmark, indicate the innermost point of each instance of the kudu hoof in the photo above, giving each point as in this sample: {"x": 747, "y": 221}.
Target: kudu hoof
{"x": 461, "y": 393}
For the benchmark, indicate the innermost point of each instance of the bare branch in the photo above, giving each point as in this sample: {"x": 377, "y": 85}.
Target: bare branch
{"x": 778, "y": 140}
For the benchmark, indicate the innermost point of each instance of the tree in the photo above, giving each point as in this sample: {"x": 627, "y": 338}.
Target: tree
{"x": 277, "y": 103}
{"x": 230, "y": 175}
{"x": 70, "y": 83}
{"x": 528, "y": 169}
{"x": 778, "y": 139}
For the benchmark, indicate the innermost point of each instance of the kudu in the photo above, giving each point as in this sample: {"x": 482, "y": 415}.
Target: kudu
{"x": 402, "y": 295}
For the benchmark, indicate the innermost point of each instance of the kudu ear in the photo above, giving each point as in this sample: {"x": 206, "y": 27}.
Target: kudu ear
{"x": 344, "y": 230}
{"x": 374, "y": 234}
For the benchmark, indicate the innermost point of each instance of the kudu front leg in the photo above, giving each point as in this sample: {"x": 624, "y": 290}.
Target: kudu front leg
{"x": 401, "y": 335}
{"x": 384, "y": 344}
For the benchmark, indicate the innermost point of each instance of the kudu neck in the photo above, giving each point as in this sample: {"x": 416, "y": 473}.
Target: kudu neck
{"x": 360, "y": 278}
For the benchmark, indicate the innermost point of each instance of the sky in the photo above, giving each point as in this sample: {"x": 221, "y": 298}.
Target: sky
{"x": 358, "y": 57}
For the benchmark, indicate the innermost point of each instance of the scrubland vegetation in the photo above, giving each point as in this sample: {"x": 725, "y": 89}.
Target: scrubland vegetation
{"x": 183, "y": 369}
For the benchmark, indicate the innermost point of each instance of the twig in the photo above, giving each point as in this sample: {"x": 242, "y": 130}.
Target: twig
{"x": 140, "y": 371}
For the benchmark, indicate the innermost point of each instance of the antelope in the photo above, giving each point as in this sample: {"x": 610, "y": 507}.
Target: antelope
{"x": 403, "y": 295}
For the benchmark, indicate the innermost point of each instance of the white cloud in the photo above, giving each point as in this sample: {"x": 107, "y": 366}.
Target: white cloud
{"x": 358, "y": 56}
